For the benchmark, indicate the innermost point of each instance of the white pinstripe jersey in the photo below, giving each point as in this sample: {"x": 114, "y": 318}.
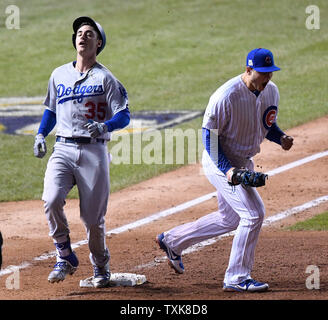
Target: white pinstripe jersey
{"x": 242, "y": 120}
{"x": 77, "y": 98}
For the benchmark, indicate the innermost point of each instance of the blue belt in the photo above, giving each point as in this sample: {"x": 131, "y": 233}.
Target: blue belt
{"x": 80, "y": 140}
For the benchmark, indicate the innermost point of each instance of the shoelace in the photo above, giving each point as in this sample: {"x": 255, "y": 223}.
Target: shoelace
{"x": 100, "y": 272}
{"x": 248, "y": 282}
{"x": 60, "y": 264}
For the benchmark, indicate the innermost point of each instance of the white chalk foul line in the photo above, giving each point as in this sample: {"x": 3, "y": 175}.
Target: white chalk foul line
{"x": 297, "y": 163}
{"x": 279, "y": 216}
{"x": 208, "y": 196}
{"x": 161, "y": 214}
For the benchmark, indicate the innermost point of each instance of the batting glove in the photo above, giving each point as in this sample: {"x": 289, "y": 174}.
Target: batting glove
{"x": 95, "y": 128}
{"x": 40, "y": 148}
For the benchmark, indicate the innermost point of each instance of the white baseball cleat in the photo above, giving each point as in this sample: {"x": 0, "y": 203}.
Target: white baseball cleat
{"x": 63, "y": 266}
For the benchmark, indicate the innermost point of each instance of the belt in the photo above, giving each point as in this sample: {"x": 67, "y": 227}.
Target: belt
{"x": 80, "y": 140}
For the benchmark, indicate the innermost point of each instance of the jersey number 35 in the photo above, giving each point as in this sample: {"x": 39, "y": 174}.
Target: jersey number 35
{"x": 96, "y": 111}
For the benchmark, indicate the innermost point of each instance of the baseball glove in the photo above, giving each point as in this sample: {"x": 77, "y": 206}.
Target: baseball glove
{"x": 247, "y": 178}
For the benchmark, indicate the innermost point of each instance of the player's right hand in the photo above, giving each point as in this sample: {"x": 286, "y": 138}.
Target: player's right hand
{"x": 229, "y": 175}
{"x": 286, "y": 142}
{"x": 40, "y": 148}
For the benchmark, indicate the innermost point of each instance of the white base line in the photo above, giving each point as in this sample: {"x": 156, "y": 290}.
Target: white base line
{"x": 279, "y": 216}
{"x": 297, "y": 163}
{"x": 161, "y": 214}
{"x": 208, "y": 196}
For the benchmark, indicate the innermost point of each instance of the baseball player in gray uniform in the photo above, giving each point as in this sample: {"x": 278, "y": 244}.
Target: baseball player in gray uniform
{"x": 239, "y": 115}
{"x": 87, "y": 103}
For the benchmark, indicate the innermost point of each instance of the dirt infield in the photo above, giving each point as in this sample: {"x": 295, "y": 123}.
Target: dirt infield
{"x": 282, "y": 256}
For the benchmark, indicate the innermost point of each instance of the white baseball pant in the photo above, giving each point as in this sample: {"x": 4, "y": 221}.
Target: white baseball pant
{"x": 240, "y": 209}
{"x": 87, "y": 166}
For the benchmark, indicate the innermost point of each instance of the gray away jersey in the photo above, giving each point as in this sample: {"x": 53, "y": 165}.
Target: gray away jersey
{"x": 95, "y": 95}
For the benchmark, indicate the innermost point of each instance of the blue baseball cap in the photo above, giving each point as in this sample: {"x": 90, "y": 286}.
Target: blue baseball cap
{"x": 261, "y": 60}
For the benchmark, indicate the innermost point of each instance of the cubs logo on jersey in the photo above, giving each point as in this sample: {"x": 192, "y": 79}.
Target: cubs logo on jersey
{"x": 269, "y": 117}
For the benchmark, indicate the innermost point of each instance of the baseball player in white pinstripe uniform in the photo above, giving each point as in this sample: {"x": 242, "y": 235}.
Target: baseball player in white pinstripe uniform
{"x": 239, "y": 115}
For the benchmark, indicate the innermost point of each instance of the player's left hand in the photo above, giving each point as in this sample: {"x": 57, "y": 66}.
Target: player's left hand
{"x": 286, "y": 142}
{"x": 96, "y": 128}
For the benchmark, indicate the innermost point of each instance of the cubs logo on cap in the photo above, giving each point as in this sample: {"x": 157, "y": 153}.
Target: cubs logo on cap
{"x": 261, "y": 60}
{"x": 268, "y": 60}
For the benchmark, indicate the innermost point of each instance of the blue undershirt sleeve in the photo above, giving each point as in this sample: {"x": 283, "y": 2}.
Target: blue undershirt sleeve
{"x": 214, "y": 149}
{"x": 119, "y": 120}
{"x": 274, "y": 134}
{"x": 48, "y": 122}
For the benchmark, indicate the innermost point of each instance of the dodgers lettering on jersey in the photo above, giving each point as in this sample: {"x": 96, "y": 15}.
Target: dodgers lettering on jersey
{"x": 241, "y": 119}
{"x": 79, "y": 92}
{"x": 76, "y": 98}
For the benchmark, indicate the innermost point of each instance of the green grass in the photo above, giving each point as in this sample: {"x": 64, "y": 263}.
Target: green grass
{"x": 173, "y": 54}
{"x": 317, "y": 223}
{"x": 170, "y": 55}
{"x": 22, "y": 174}
{"x": 131, "y": 173}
